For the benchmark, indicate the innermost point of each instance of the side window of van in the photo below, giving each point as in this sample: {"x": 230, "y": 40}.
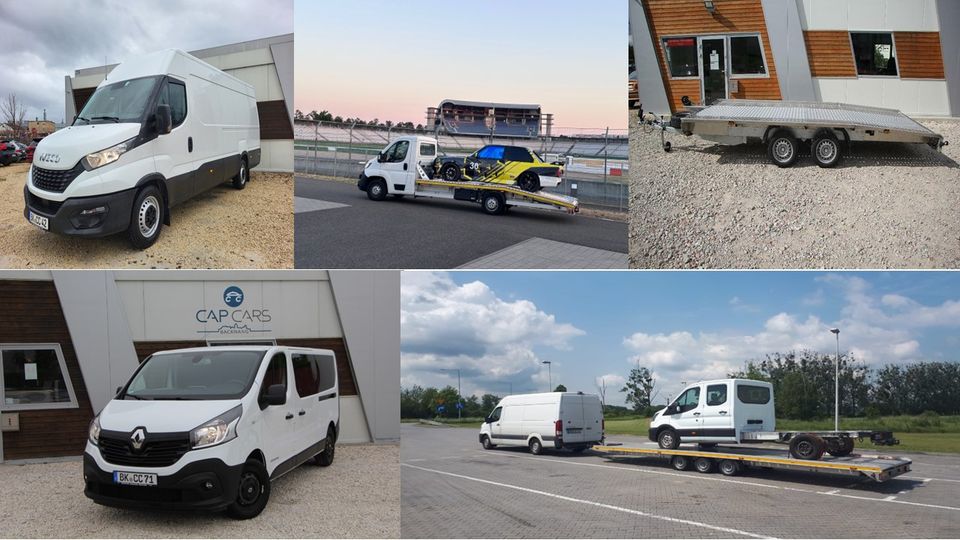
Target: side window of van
{"x": 749, "y": 393}
{"x": 327, "y": 372}
{"x": 716, "y": 394}
{"x": 428, "y": 149}
{"x": 398, "y": 152}
{"x": 276, "y": 373}
{"x": 174, "y": 94}
{"x": 305, "y": 375}
{"x": 689, "y": 399}
{"x": 495, "y": 415}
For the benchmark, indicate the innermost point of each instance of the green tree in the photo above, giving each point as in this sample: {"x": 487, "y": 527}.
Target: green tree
{"x": 639, "y": 389}
{"x": 560, "y": 388}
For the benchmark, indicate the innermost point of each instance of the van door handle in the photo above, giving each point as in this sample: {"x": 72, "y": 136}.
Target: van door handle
{"x": 189, "y": 144}
{"x": 289, "y": 415}
{"x": 696, "y": 414}
{"x": 723, "y": 412}
{"x": 404, "y": 166}
{"x": 301, "y": 413}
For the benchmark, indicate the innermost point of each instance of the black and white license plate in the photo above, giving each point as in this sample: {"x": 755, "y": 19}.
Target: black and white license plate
{"x": 39, "y": 221}
{"x": 134, "y": 478}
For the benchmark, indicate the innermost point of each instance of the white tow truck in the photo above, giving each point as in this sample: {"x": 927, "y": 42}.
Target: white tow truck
{"x": 400, "y": 169}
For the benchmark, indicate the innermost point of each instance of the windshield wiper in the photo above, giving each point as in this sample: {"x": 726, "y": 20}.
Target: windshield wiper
{"x": 174, "y": 398}
{"x": 125, "y": 396}
{"x": 114, "y": 118}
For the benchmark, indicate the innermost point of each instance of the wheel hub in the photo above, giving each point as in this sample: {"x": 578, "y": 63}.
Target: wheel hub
{"x": 826, "y": 150}
{"x": 148, "y": 218}
{"x": 783, "y": 150}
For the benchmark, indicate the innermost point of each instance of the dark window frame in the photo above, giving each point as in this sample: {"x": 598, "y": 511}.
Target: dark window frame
{"x": 286, "y": 375}
{"x": 667, "y": 56}
{"x": 893, "y": 53}
{"x": 72, "y": 403}
{"x": 722, "y": 386}
{"x": 688, "y": 406}
{"x": 766, "y": 389}
{"x": 763, "y": 57}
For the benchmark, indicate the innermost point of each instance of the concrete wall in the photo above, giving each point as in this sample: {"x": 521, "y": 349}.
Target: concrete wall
{"x": 785, "y": 31}
{"x": 948, "y": 13}
{"x": 653, "y": 95}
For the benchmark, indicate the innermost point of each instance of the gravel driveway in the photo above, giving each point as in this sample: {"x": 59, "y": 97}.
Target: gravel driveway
{"x": 356, "y": 497}
{"x": 709, "y": 206}
{"x": 222, "y": 228}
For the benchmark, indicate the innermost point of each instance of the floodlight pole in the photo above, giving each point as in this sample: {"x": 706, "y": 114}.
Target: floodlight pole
{"x": 549, "y": 375}
{"x": 836, "y": 383}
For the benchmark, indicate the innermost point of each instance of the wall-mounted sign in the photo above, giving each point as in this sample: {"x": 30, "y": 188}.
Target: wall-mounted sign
{"x": 232, "y": 319}
{"x": 10, "y": 421}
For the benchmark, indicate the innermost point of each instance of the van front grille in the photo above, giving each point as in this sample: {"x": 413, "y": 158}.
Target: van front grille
{"x": 55, "y": 181}
{"x": 159, "y": 450}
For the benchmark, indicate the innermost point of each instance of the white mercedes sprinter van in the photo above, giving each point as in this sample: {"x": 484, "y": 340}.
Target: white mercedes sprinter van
{"x": 209, "y": 428}
{"x": 571, "y": 420}
{"x": 159, "y": 130}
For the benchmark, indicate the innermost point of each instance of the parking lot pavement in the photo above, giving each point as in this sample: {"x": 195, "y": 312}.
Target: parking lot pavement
{"x": 425, "y": 233}
{"x": 451, "y": 487}
{"x": 356, "y": 497}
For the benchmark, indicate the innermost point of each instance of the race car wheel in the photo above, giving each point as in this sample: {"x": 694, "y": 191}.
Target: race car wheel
{"x": 450, "y": 172}
{"x": 529, "y": 182}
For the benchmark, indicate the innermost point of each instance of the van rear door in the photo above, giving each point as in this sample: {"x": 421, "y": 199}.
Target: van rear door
{"x": 753, "y": 407}
{"x": 571, "y": 412}
{"x": 592, "y": 419}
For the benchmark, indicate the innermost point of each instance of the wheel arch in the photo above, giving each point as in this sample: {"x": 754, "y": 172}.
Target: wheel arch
{"x": 158, "y": 180}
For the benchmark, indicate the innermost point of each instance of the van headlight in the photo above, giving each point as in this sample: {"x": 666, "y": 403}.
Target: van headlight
{"x": 93, "y": 432}
{"x": 105, "y": 157}
{"x": 217, "y": 431}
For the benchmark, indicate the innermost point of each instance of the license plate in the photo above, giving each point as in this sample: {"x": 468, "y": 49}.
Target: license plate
{"x": 40, "y": 221}
{"x": 134, "y": 478}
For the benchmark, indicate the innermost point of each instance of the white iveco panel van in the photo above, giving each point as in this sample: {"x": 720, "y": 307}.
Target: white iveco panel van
{"x": 210, "y": 428}
{"x": 159, "y": 130}
{"x": 564, "y": 419}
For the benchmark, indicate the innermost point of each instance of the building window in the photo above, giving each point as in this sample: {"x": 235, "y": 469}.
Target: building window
{"x": 681, "y": 55}
{"x": 746, "y": 56}
{"x": 35, "y": 377}
{"x": 873, "y": 53}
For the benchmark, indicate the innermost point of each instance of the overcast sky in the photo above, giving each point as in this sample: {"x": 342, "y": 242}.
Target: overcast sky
{"x": 41, "y": 41}
{"x": 498, "y": 327}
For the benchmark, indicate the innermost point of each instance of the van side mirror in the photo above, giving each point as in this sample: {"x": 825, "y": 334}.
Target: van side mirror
{"x": 164, "y": 119}
{"x": 380, "y": 157}
{"x": 487, "y": 420}
{"x": 672, "y": 409}
{"x": 276, "y": 395}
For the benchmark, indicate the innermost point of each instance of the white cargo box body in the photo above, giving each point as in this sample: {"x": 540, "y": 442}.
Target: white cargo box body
{"x": 556, "y": 419}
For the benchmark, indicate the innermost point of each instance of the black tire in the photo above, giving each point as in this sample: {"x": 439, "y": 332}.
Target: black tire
{"x": 325, "y": 457}
{"x": 667, "y": 147}
{"x": 826, "y": 149}
{"x": 706, "y": 445}
{"x": 729, "y": 467}
{"x": 680, "y": 463}
{"x": 782, "y": 148}
{"x": 840, "y": 447}
{"x": 668, "y": 439}
{"x": 578, "y": 449}
{"x": 253, "y": 492}
{"x": 493, "y": 204}
{"x": 703, "y": 465}
{"x": 487, "y": 444}
{"x": 398, "y": 196}
{"x": 536, "y": 447}
{"x": 451, "y": 172}
{"x": 528, "y": 182}
{"x": 243, "y": 175}
{"x": 377, "y": 190}
{"x": 807, "y": 446}
{"x": 146, "y": 219}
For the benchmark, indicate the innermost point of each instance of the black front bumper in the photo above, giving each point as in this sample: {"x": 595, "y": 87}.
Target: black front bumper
{"x": 362, "y": 182}
{"x": 652, "y": 433}
{"x": 183, "y": 490}
{"x": 64, "y": 217}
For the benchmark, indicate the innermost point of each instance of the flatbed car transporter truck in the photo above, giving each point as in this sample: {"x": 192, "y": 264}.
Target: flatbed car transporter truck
{"x": 399, "y": 170}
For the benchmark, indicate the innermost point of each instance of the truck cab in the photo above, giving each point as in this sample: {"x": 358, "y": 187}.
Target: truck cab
{"x": 395, "y": 169}
{"x": 717, "y": 411}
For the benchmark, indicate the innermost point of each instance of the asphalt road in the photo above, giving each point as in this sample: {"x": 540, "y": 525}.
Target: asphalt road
{"x": 451, "y": 487}
{"x": 425, "y": 233}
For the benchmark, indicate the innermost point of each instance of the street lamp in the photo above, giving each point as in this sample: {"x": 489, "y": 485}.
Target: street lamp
{"x": 549, "y": 375}
{"x": 836, "y": 383}
{"x": 459, "y": 394}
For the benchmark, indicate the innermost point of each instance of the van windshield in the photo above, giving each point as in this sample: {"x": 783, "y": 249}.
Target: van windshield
{"x": 213, "y": 374}
{"x": 120, "y": 102}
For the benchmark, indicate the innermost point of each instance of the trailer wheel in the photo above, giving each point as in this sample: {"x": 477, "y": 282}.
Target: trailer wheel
{"x": 377, "y": 190}
{"x": 450, "y": 172}
{"x": 680, "y": 463}
{"x": 703, "y": 465}
{"x": 667, "y": 147}
{"x": 487, "y": 445}
{"x": 493, "y": 204}
{"x": 668, "y": 439}
{"x": 807, "y": 446}
{"x": 730, "y": 467}
{"x": 528, "y": 182}
{"x": 782, "y": 148}
{"x": 826, "y": 148}
{"x": 536, "y": 447}
{"x": 840, "y": 447}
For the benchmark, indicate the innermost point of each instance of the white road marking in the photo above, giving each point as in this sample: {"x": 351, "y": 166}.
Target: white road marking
{"x": 890, "y": 498}
{"x": 925, "y": 480}
{"x": 833, "y": 492}
{"x": 590, "y": 503}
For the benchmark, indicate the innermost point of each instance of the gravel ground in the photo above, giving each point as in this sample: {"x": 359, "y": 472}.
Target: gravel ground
{"x": 222, "y": 228}
{"x": 709, "y": 206}
{"x": 356, "y": 497}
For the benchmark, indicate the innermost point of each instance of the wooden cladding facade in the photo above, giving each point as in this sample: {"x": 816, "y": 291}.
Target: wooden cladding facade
{"x": 829, "y": 53}
{"x": 347, "y": 383}
{"x": 919, "y": 55}
{"x": 32, "y": 314}
{"x": 675, "y": 18}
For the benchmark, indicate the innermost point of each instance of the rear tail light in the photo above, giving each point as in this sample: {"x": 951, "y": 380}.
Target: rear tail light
{"x": 3, "y": 146}
{"x": 558, "y": 428}
{"x": 560, "y": 172}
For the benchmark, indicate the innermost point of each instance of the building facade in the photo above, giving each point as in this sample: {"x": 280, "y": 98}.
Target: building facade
{"x": 883, "y": 53}
{"x": 69, "y": 338}
{"x": 266, "y": 64}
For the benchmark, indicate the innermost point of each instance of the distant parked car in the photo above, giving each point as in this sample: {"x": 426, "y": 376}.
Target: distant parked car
{"x": 32, "y": 148}
{"x": 8, "y": 153}
{"x": 18, "y": 149}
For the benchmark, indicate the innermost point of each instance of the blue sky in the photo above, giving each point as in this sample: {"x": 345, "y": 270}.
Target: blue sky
{"x": 391, "y": 60}
{"x": 686, "y": 326}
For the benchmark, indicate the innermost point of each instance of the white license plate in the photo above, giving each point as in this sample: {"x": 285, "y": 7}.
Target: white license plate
{"x": 134, "y": 478}
{"x": 40, "y": 221}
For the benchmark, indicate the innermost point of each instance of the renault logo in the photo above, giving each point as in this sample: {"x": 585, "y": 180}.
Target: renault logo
{"x": 137, "y": 438}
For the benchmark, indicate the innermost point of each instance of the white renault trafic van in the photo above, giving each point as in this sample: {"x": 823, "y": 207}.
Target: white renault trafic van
{"x": 209, "y": 428}
{"x": 564, "y": 419}
{"x": 159, "y": 130}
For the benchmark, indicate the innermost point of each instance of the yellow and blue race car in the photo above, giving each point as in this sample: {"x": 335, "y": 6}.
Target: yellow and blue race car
{"x": 499, "y": 164}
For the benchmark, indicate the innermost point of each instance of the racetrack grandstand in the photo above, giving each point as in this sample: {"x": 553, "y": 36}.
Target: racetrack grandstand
{"x": 458, "y": 117}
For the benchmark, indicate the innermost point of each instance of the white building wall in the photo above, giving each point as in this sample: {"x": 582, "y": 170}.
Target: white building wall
{"x": 914, "y": 97}
{"x": 890, "y": 15}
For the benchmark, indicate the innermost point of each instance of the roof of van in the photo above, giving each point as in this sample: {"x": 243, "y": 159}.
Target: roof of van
{"x": 546, "y": 395}
{"x": 260, "y": 348}
{"x": 177, "y": 63}
{"x": 718, "y": 381}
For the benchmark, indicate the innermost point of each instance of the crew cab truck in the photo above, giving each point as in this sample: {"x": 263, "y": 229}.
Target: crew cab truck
{"x": 158, "y": 130}
{"x": 741, "y": 411}
{"x": 210, "y": 428}
{"x": 401, "y": 169}
{"x": 561, "y": 420}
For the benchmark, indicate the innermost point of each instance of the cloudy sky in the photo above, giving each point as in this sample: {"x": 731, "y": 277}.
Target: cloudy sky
{"x": 41, "y": 41}
{"x": 498, "y": 327}
{"x": 391, "y": 60}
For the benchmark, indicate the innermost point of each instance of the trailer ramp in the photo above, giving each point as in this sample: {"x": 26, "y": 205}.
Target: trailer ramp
{"x": 514, "y": 196}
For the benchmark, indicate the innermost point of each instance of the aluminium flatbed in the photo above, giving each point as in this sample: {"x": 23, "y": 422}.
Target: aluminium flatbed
{"x": 732, "y": 460}
{"x": 474, "y": 191}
